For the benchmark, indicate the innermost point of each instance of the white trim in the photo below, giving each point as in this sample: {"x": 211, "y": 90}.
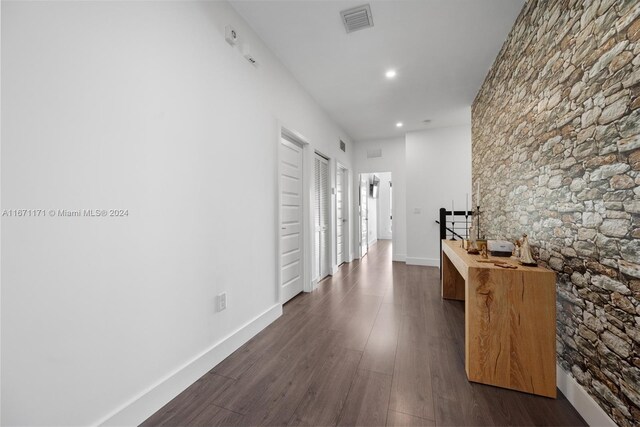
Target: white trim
{"x": 360, "y": 240}
{"x": 372, "y": 242}
{"x": 145, "y": 404}
{"x": 399, "y": 257}
{"x": 586, "y": 406}
{"x": 428, "y": 262}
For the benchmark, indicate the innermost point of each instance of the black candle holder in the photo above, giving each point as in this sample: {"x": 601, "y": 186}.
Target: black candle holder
{"x": 453, "y": 226}
{"x": 466, "y": 224}
{"x": 478, "y": 215}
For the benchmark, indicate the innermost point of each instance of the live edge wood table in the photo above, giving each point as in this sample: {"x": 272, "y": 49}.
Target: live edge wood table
{"x": 510, "y": 320}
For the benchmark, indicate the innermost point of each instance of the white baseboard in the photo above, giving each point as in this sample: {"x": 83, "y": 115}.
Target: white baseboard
{"x": 141, "y": 407}
{"x": 586, "y": 406}
{"x": 373, "y": 242}
{"x": 399, "y": 257}
{"x": 428, "y": 262}
{"x": 334, "y": 269}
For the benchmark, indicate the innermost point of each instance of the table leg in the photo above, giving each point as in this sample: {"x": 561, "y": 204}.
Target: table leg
{"x": 452, "y": 282}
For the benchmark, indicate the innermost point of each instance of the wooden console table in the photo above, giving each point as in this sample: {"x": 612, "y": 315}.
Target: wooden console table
{"x": 510, "y": 320}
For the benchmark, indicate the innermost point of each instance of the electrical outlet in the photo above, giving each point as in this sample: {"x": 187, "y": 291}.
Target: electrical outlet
{"x": 222, "y": 301}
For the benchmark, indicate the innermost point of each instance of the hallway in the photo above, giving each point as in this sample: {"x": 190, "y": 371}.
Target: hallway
{"x": 373, "y": 345}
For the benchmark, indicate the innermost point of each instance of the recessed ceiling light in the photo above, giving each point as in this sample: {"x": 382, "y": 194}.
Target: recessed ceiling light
{"x": 399, "y": 124}
{"x": 390, "y": 74}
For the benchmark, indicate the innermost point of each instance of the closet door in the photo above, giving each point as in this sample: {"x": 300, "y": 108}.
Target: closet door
{"x": 321, "y": 220}
{"x": 340, "y": 216}
{"x": 291, "y": 200}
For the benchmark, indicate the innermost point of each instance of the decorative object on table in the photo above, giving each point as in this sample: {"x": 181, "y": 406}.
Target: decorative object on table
{"x": 504, "y": 265}
{"x": 498, "y": 263}
{"x": 483, "y": 250}
{"x": 472, "y": 248}
{"x": 526, "y": 257}
{"x": 453, "y": 222}
{"x": 477, "y": 212}
{"x": 472, "y": 234}
{"x": 516, "y": 249}
{"x": 500, "y": 248}
{"x": 466, "y": 216}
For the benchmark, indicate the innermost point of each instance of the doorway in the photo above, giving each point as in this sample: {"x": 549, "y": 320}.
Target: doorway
{"x": 363, "y": 201}
{"x": 342, "y": 216}
{"x": 376, "y": 209}
{"x": 322, "y": 217}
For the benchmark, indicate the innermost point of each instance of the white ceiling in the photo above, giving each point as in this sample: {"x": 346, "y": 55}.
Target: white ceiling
{"x": 441, "y": 49}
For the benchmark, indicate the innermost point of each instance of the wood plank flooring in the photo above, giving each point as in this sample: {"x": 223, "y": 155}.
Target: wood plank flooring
{"x": 374, "y": 345}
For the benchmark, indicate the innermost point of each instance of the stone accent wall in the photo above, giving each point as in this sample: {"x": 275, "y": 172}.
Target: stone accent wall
{"x": 556, "y": 149}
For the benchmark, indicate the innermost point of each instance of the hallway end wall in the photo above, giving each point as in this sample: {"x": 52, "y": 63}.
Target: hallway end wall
{"x": 438, "y": 172}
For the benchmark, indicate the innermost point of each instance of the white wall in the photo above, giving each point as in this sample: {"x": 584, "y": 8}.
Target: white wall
{"x": 438, "y": 163}
{"x": 384, "y": 216}
{"x": 139, "y": 106}
{"x": 392, "y": 160}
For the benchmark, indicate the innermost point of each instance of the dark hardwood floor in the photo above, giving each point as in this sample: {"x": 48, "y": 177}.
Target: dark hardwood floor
{"x": 374, "y": 345}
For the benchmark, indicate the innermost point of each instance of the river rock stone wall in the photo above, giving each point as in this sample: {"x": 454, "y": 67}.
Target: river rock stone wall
{"x": 556, "y": 149}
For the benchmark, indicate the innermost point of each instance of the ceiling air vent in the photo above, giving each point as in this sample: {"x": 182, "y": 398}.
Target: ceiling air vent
{"x": 357, "y": 18}
{"x": 343, "y": 146}
{"x": 372, "y": 153}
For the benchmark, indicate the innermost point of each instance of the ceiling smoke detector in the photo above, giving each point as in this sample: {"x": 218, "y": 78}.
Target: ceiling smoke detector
{"x": 357, "y": 18}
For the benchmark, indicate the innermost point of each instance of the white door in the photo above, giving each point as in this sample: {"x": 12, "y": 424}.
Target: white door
{"x": 291, "y": 272}
{"x": 321, "y": 217}
{"x": 341, "y": 216}
{"x": 364, "y": 215}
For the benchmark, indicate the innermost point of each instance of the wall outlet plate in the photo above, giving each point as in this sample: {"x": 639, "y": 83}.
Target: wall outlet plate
{"x": 221, "y": 301}
{"x": 230, "y": 35}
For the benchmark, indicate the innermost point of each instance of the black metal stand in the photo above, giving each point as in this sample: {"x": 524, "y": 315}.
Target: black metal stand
{"x": 466, "y": 225}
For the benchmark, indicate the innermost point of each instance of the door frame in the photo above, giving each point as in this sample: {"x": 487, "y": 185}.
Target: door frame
{"x": 346, "y": 214}
{"x": 360, "y": 255}
{"x": 293, "y": 136}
